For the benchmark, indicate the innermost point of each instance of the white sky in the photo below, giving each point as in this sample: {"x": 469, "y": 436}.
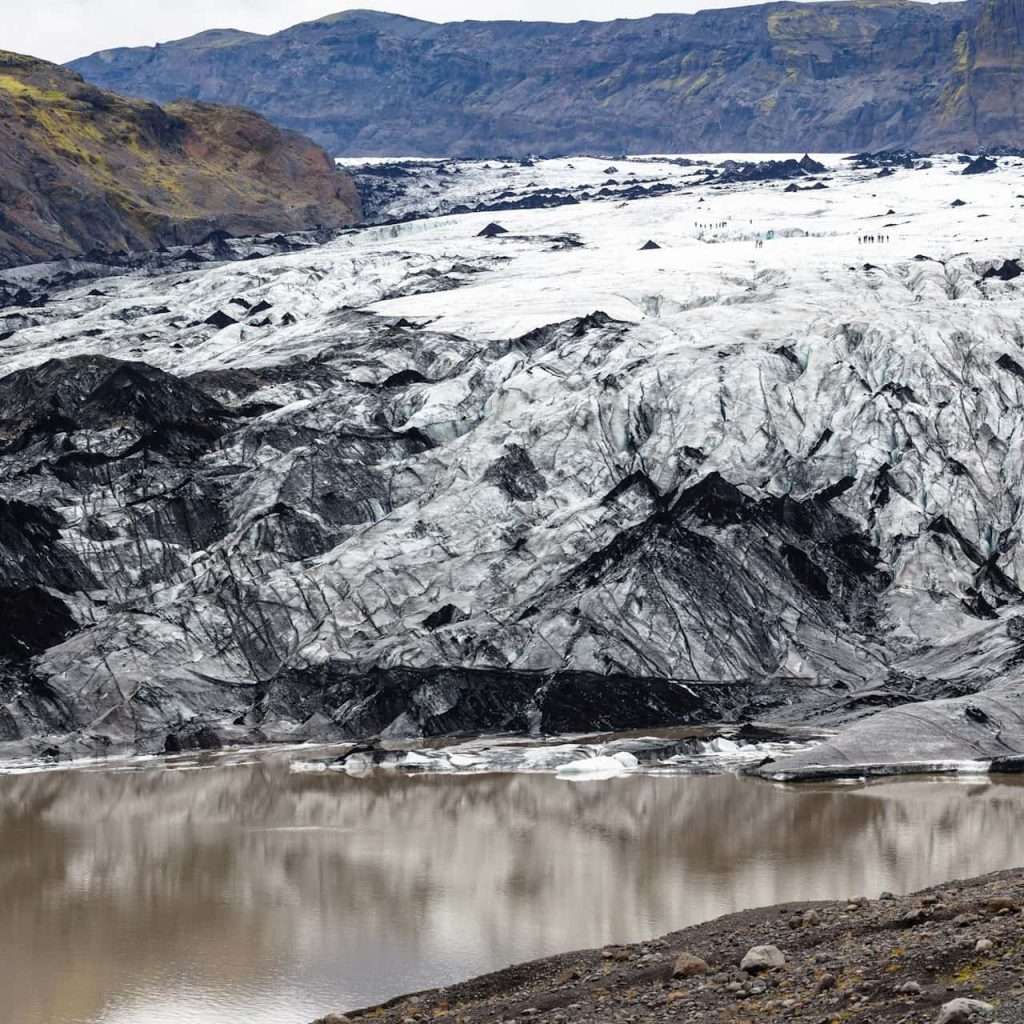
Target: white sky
{"x": 60, "y": 30}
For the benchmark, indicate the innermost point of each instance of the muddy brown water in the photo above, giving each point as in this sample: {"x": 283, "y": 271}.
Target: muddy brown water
{"x": 241, "y": 892}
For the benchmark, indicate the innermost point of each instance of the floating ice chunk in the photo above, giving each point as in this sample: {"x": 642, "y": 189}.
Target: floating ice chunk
{"x": 590, "y": 766}
{"x": 414, "y": 760}
{"x": 555, "y": 756}
{"x": 464, "y": 760}
{"x": 626, "y": 759}
{"x": 721, "y": 745}
{"x": 306, "y": 767}
{"x": 358, "y": 764}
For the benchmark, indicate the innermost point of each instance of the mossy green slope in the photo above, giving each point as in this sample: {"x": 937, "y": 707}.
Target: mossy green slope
{"x": 83, "y": 169}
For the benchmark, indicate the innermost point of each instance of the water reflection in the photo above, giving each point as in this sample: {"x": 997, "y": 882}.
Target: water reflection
{"x": 248, "y": 893}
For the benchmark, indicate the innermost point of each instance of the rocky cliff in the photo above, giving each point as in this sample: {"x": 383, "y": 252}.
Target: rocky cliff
{"x": 785, "y": 76}
{"x": 83, "y": 170}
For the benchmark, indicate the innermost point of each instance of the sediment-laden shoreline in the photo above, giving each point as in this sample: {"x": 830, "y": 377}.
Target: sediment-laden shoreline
{"x": 945, "y": 953}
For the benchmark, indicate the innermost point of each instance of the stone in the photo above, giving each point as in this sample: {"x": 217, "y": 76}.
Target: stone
{"x": 915, "y": 917}
{"x": 762, "y": 958}
{"x": 333, "y": 1018}
{"x": 982, "y": 165}
{"x": 997, "y": 903}
{"x": 689, "y": 966}
{"x": 826, "y": 983}
{"x": 983, "y": 946}
{"x": 909, "y": 988}
{"x": 963, "y": 1011}
{"x": 615, "y": 953}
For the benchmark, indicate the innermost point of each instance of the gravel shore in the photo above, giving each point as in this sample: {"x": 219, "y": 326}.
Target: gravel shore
{"x": 895, "y": 959}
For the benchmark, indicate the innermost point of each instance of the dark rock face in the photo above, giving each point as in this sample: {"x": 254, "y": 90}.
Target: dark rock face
{"x": 733, "y": 171}
{"x": 981, "y": 165}
{"x": 33, "y": 620}
{"x": 516, "y": 475}
{"x": 403, "y": 702}
{"x": 31, "y": 552}
{"x": 84, "y": 171}
{"x": 1009, "y": 270}
{"x": 887, "y": 159}
{"x": 776, "y": 77}
{"x": 94, "y": 393}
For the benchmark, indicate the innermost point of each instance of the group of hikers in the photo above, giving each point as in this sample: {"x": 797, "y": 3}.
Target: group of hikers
{"x": 759, "y": 240}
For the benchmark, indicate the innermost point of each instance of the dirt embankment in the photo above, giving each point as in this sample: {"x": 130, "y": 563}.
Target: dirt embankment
{"x": 953, "y": 953}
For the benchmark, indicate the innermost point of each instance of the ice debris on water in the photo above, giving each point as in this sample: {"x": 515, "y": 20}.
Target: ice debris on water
{"x": 603, "y": 764}
{"x": 591, "y": 760}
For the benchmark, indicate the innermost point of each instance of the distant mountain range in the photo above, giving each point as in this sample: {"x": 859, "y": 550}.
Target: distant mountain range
{"x": 863, "y": 74}
{"x": 83, "y": 170}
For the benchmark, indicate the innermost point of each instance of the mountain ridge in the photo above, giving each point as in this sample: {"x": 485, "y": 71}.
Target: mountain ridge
{"x": 82, "y": 169}
{"x": 831, "y": 76}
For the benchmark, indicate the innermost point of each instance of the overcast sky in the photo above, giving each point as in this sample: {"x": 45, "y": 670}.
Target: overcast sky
{"x": 60, "y": 30}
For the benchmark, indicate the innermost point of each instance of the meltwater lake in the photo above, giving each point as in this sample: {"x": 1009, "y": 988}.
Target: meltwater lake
{"x": 229, "y": 887}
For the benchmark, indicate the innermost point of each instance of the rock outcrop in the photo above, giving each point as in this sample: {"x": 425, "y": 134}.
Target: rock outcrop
{"x": 775, "y": 77}
{"x": 86, "y": 171}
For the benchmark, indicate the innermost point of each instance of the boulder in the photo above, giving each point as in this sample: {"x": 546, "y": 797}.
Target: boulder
{"x": 982, "y": 165}
{"x": 1008, "y": 270}
{"x": 963, "y": 1011}
{"x": 220, "y": 320}
{"x": 689, "y": 966}
{"x": 762, "y": 958}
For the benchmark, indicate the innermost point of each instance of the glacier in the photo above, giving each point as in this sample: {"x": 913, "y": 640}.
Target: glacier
{"x": 414, "y": 480}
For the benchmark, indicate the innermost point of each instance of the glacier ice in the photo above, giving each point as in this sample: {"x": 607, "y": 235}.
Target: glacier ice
{"x": 444, "y": 483}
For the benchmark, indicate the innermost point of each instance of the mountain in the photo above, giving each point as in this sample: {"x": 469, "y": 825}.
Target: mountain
{"x": 82, "y": 169}
{"x": 830, "y": 77}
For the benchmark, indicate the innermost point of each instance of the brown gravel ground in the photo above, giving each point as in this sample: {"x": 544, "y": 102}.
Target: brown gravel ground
{"x": 845, "y": 963}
